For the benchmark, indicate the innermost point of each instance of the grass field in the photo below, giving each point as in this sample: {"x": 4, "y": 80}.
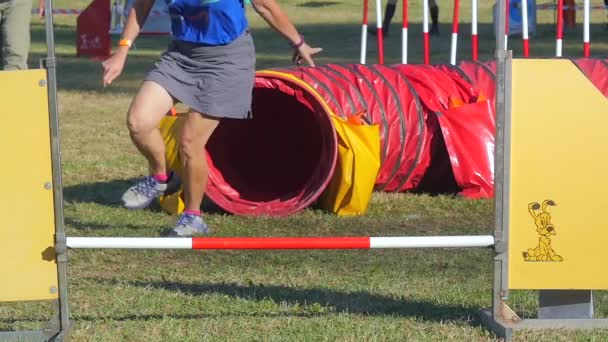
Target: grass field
{"x": 405, "y": 295}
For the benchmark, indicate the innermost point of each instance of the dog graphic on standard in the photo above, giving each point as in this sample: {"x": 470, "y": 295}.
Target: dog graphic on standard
{"x": 545, "y": 229}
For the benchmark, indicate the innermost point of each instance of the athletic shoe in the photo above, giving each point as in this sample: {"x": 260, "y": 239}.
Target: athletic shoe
{"x": 142, "y": 194}
{"x": 188, "y": 225}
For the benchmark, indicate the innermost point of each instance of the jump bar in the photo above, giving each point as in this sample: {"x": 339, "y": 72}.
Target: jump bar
{"x": 281, "y": 242}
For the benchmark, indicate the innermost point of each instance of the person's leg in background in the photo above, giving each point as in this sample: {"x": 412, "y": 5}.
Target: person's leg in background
{"x": 606, "y": 5}
{"x": 196, "y": 131}
{"x": 15, "y": 33}
{"x": 389, "y": 13}
{"x": 434, "y": 17}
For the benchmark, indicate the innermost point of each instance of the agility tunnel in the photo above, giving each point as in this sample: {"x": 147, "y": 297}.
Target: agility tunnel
{"x": 436, "y": 132}
{"x": 283, "y": 158}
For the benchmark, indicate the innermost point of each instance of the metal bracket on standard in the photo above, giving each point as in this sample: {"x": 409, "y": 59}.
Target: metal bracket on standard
{"x": 48, "y": 63}
{"x": 61, "y": 247}
{"x": 500, "y": 245}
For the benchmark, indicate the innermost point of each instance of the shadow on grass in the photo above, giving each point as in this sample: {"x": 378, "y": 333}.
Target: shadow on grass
{"x": 317, "y": 4}
{"x": 104, "y": 193}
{"x": 109, "y": 194}
{"x": 338, "y": 302}
{"x": 88, "y": 225}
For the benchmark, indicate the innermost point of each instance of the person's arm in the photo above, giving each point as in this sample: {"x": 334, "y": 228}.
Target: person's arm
{"x": 112, "y": 67}
{"x": 272, "y": 13}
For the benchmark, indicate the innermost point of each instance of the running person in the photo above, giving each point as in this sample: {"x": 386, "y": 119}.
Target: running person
{"x": 210, "y": 67}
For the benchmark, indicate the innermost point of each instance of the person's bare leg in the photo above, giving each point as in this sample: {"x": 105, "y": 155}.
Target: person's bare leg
{"x": 149, "y": 106}
{"x": 196, "y": 131}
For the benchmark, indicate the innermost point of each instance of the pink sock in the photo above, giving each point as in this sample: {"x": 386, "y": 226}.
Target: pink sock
{"x": 192, "y": 212}
{"x": 161, "y": 177}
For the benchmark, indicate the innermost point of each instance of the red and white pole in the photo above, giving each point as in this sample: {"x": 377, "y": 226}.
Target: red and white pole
{"x": 364, "y": 31}
{"x": 404, "y": 33}
{"x": 559, "y": 32}
{"x": 586, "y": 23}
{"x": 474, "y": 37}
{"x": 425, "y": 32}
{"x": 379, "y": 32}
{"x": 454, "y": 46}
{"x": 524, "y": 29}
{"x": 282, "y": 242}
{"x": 507, "y": 24}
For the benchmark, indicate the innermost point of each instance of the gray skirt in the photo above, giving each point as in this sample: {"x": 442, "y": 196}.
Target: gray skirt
{"x": 213, "y": 80}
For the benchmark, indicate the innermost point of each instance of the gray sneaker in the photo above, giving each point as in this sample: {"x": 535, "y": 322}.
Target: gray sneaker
{"x": 140, "y": 195}
{"x": 188, "y": 225}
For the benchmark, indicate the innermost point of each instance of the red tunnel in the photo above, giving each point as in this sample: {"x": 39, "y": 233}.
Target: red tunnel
{"x": 436, "y": 130}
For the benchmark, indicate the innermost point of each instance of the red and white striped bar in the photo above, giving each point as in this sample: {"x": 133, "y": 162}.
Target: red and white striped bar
{"x": 474, "y": 37}
{"x": 454, "y": 46}
{"x": 379, "y": 32}
{"x": 364, "y": 31}
{"x": 425, "y": 32}
{"x": 282, "y": 242}
{"x": 559, "y": 32}
{"x": 524, "y": 29}
{"x": 586, "y": 23}
{"x": 404, "y": 28}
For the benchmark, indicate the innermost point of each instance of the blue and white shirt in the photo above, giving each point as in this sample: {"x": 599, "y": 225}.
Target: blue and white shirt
{"x": 209, "y": 22}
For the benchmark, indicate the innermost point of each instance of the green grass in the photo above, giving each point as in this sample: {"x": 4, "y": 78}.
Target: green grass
{"x": 401, "y": 295}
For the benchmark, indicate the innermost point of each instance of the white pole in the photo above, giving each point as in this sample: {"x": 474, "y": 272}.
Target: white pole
{"x": 507, "y": 23}
{"x": 363, "y": 42}
{"x": 474, "y": 29}
{"x": 129, "y": 242}
{"x": 432, "y": 241}
{"x": 364, "y": 31}
{"x": 524, "y": 22}
{"x": 453, "y": 48}
{"x": 404, "y": 27}
{"x": 379, "y": 33}
{"x": 425, "y": 16}
{"x": 586, "y": 21}
{"x": 425, "y": 32}
{"x": 379, "y": 14}
{"x": 404, "y": 45}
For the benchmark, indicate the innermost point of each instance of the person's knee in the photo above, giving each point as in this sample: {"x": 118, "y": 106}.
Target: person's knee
{"x": 136, "y": 123}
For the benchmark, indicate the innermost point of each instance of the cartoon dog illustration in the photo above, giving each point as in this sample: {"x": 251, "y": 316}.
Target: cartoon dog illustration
{"x": 544, "y": 228}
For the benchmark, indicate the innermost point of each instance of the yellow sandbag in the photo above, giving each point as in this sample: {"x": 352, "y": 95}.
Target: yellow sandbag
{"x": 169, "y": 129}
{"x": 357, "y": 167}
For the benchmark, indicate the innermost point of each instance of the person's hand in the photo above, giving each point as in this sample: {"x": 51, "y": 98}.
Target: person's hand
{"x": 41, "y": 7}
{"x": 305, "y": 53}
{"x": 112, "y": 67}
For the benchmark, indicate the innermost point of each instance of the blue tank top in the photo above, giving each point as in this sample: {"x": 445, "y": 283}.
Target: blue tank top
{"x": 209, "y": 22}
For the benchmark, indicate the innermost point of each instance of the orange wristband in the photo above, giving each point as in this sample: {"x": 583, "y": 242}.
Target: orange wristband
{"x": 125, "y": 42}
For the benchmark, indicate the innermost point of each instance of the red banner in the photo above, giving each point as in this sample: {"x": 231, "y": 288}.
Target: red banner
{"x": 93, "y": 30}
